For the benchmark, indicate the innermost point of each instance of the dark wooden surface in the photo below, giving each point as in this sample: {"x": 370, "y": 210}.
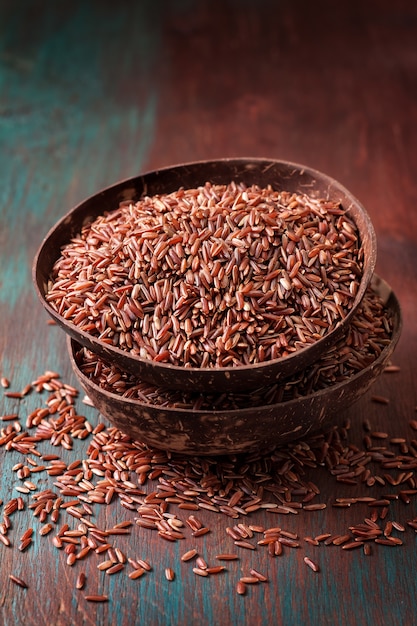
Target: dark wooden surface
{"x": 93, "y": 92}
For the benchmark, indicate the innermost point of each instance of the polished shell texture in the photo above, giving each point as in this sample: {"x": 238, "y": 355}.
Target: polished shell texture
{"x": 237, "y": 431}
{"x": 280, "y": 175}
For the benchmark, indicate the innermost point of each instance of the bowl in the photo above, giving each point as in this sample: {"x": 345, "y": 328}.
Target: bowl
{"x": 283, "y": 175}
{"x": 256, "y": 428}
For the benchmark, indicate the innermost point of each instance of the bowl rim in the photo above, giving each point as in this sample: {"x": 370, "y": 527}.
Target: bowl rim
{"x": 390, "y": 299}
{"x": 162, "y": 371}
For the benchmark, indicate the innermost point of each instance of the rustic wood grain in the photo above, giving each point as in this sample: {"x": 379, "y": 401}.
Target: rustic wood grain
{"x": 91, "y": 93}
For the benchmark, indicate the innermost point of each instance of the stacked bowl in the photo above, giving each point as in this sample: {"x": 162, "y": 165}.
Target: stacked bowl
{"x": 220, "y": 306}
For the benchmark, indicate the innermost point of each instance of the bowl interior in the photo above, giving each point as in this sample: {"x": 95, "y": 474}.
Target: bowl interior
{"x": 280, "y": 175}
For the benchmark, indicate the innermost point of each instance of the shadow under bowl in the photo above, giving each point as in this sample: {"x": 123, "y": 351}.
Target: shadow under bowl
{"x": 205, "y": 432}
{"x": 280, "y": 175}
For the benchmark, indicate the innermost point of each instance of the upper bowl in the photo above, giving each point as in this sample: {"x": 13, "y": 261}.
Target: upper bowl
{"x": 281, "y": 176}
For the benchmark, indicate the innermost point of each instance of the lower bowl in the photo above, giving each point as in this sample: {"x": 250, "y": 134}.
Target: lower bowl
{"x": 247, "y": 429}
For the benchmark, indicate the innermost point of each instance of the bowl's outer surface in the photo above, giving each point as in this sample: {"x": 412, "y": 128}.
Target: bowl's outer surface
{"x": 252, "y": 429}
{"x": 281, "y": 175}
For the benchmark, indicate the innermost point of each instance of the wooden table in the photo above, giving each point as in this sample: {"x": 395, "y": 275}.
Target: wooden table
{"x": 91, "y": 93}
